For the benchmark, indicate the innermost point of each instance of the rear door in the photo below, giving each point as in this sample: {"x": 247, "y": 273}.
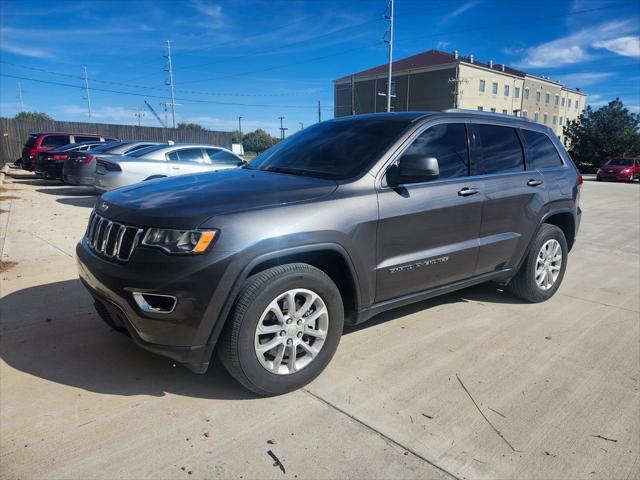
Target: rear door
{"x": 428, "y": 232}
{"x": 187, "y": 160}
{"x": 514, "y": 196}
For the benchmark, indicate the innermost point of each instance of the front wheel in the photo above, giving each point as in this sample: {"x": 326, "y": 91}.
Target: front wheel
{"x": 543, "y": 269}
{"x": 284, "y": 329}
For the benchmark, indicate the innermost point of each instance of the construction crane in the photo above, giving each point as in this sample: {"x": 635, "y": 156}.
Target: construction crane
{"x": 155, "y": 114}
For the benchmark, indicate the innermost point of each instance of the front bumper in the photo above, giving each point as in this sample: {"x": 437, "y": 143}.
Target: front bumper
{"x": 618, "y": 177}
{"x": 183, "y": 335}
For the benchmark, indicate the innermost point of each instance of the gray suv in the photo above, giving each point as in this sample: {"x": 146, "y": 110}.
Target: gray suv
{"x": 265, "y": 264}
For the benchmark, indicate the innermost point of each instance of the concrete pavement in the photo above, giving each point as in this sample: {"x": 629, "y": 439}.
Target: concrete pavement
{"x": 471, "y": 385}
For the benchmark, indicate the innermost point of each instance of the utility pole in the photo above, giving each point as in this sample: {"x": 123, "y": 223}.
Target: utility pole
{"x": 353, "y": 96}
{"x": 282, "y": 129}
{"x": 390, "y": 17}
{"x": 139, "y": 113}
{"x": 319, "y": 112}
{"x": 240, "y": 127}
{"x": 173, "y": 100}
{"x": 20, "y": 97}
{"x": 456, "y": 82}
{"x": 301, "y": 125}
{"x": 86, "y": 91}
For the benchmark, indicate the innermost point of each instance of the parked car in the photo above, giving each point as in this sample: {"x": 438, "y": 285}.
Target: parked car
{"x": 626, "y": 169}
{"x": 41, "y": 142}
{"x": 335, "y": 224}
{"x": 161, "y": 161}
{"x": 50, "y": 163}
{"x": 80, "y": 167}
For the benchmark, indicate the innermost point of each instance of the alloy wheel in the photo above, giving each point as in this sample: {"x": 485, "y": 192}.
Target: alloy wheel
{"x": 548, "y": 264}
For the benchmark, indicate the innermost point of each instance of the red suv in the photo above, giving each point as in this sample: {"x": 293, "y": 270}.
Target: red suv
{"x": 626, "y": 169}
{"x": 41, "y": 142}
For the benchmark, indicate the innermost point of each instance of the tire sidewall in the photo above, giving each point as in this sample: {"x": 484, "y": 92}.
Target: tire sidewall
{"x": 260, "y": 377}
{"x": 546, "y": 233}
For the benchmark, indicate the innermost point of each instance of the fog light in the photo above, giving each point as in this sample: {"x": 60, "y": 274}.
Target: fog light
{"x": 155, "y": 303}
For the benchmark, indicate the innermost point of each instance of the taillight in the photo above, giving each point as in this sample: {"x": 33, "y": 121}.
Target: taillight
{"x": 32, "y": 153}
{"x": 86, "y": 159}
{"x": 580, "y": 180}
{"x": 59, "y": 156}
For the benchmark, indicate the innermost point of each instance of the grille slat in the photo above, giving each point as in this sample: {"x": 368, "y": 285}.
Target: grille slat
{"x": 112, "y": 239}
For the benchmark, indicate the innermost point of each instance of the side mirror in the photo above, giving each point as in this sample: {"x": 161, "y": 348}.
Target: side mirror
{"x": 415, "y": 169}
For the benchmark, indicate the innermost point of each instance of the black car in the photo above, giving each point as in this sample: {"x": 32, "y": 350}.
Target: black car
{"x": 49, "y": 164}
{"x": 337, "y": 223}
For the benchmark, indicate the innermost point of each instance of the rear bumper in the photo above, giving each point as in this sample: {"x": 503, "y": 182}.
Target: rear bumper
{"x": 74, "y": 179}
{"x": 79, "y": 174}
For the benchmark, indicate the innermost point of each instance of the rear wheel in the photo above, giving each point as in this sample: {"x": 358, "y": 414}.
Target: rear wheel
{"x": 542, "y": 272}
{"x": 284, "y": 329}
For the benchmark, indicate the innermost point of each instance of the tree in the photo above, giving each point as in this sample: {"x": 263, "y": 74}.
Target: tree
{"x": 258, "y": 141}
{"x": 191, "y": 126}
{"x": 33, "y": 116}
{"x": 596, "y": 136}
{"x": 236, "y": 137}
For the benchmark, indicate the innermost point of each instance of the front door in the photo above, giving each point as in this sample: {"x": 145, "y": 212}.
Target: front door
{"x": 187, "y": 160}
{"x": 428, "y": 232}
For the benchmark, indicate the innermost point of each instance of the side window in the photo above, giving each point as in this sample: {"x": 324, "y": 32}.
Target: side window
{"x": 54, "y": 141}
{"x": 79, "y": 139}
{"x": 501, "y": 149}
{"x": 189, "y": 155}
{"x": 446, "y": 142}
{"x": 542, "y": 151}
{"x": 222, "y": 157}
{"x": 173, "y": 156}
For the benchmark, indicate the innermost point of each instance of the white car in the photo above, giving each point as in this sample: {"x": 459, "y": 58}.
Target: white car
{"x": 160, "y": 161}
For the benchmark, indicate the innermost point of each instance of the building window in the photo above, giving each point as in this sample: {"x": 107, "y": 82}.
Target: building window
{"x": 526, "y": 94}
{"x": 516, "y": 92}
{"x": 577, "y": 103}
{"x": 536, "y": 117}
{"x": 557, "y": 100}
{"x": 480, "y": 108}
{"x": 546, "y": 98}
{"x": 537, "y": 97}
{"x": 482, "y": 86}
{"x": 525, "y": 114}
{"x": 561, "y": 120}
{"x": 494, "y": 88}
{"x": 493, "y": 110}
{"x": 569, "y": 102}
{"x": 562, "y": 102}
{"x": 506, "y": 90}
{"x": 555, "y": 119}
{"x": 504, "y": 111}
{"x": 544, "y": 118}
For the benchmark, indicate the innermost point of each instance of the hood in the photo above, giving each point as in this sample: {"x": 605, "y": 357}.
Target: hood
{"x": 186, "y": 201}
{"x": 617, "y": 168}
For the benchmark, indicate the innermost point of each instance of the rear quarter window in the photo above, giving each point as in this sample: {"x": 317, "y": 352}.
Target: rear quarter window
{"x": 499, "y": 148}
{"x": 542, "y": 151}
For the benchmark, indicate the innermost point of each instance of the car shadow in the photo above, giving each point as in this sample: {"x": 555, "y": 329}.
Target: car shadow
{"x": 38, "y": 182}
{"x": 69, "y": 191}
{"x": 85, "y": 202}
{"x": 52, "y": 331}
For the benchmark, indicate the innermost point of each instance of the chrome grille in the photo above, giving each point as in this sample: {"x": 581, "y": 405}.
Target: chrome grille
{"x": 112, "y": 239}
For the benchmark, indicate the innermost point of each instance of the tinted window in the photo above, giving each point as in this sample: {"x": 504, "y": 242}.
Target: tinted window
{"x": 542, "y": 151}
{"x": 106, "y": 147}
{"x": 55, "y": 141}
{"x": 79, "y": 138}
{"x": 31, "y": 142}
{"x": 447, "y": 143}
{"x": 139, "y": 147}
{"x": 621, "y": 162}
{"x": 173, "y": 157}
{"x": 190, "y": 155}
{"x": 222, "y": 157}
{"x": 338, "y": 149}
{"x": 501, "y": 149}
{"x": 144, "y": 151}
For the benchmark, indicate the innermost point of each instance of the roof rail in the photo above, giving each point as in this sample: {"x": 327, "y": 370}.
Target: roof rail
{"x": 489, "y": 114}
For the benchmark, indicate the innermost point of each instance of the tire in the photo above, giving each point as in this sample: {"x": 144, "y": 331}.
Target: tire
{"x": 240, "y": 340}
{"x": 524, "y": 284}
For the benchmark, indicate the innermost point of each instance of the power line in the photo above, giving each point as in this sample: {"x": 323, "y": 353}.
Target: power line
{"x": 121, "y": 92}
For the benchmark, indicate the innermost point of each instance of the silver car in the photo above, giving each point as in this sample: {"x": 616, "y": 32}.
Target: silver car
{"x": 160, "y": 161}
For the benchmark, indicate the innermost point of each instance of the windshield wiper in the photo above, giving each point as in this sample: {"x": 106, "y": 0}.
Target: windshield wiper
{"x": 290, "y": 171}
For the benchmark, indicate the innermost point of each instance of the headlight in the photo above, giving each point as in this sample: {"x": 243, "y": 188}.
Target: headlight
{"x": 180, "y": 241}
{"x": 626, "y": 170}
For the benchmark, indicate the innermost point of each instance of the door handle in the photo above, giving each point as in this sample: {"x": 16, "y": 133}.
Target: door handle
{"x": 175, "y": 168}
{"x": 465, "y": 192}
{"x": 534, "y": 183}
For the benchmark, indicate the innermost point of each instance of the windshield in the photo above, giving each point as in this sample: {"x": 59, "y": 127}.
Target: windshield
{"x": 107, "y": 147}
{"x": 144, "y": 151}
{"x": 621, "y": 162}
{"x": 338, "y": 149}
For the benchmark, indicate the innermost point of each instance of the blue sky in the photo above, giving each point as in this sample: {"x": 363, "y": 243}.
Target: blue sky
{"x": 265, "y": 59}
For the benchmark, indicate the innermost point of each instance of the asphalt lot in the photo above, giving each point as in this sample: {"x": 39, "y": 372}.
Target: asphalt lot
{"x": 556, "y": 384}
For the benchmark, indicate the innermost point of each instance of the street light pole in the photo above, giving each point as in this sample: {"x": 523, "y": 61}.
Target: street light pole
{"x": 240, "y": 127}
{"x": 390, "y": 55}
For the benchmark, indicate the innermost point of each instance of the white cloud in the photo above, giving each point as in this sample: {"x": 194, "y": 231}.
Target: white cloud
{"x": 215, "y": 123}
{"x": 212, "y": 10}
{"x": 584, "y": 79}
{"x": 576, "y": 48}
{"x": 441, "y": 45}
{"x": 115, "y": 114}
{"x": 457, "y": 12}
{"x": 625, "y": 46}
{"x": 24, "y": 51}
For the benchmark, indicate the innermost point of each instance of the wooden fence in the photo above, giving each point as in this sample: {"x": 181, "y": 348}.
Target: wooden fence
{"x": 14, "y": 134}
